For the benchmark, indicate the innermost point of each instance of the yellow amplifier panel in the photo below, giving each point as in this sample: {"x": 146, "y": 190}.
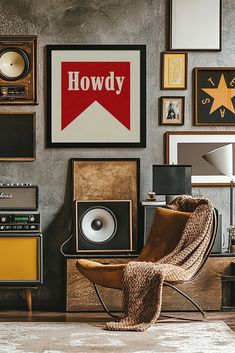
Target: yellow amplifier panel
{"x": 19, "y": 258}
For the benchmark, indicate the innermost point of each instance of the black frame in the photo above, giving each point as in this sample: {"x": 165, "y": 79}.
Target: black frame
{"x": 198, "y": 115}
{"x": 32, "y": 157}
{"x": 142, "y": 50}
{"x": 161, "y": 102}
{"x": 188, "y": 49}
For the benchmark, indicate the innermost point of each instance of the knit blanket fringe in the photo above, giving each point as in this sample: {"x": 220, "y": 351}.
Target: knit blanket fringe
{"x": 143, "y": 281}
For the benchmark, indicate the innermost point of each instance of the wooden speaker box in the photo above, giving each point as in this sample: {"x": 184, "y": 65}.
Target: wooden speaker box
{"x": 18, "y": 69}
{"x": 21, "y": 259}
{"x": 108, "y": 179}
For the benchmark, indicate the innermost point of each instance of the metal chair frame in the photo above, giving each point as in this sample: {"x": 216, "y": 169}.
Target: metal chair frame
{"x": 171, "y": 285}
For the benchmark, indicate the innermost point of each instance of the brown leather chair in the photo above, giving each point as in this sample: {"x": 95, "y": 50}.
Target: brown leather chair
{"x": 164, "y": 235}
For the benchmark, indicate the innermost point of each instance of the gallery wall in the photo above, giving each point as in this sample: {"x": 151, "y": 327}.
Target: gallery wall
{"x": 98, "y": 22}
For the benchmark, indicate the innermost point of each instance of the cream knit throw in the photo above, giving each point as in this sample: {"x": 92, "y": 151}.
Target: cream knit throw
{"x": 143, "y": 281}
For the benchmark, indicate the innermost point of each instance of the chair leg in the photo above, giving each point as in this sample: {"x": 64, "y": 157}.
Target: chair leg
{"x": 167, "y": 316}
{"x": 103, "y": 304}
{"x": 190, "y": 300}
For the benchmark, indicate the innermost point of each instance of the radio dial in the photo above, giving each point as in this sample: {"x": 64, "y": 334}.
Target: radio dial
{"x": 3, "y": 219}
{"x": 31, "y": 219}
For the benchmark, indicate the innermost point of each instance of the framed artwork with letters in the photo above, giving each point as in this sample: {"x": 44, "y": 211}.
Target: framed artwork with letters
{"x": 214, "y": 95}
{"x": 96, "y": 95}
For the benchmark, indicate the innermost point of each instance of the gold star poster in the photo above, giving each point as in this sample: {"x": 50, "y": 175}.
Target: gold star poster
{"x": 214, "y": 96}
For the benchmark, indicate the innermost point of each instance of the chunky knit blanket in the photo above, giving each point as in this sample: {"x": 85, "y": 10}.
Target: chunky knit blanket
{"x": 143, "y": 281}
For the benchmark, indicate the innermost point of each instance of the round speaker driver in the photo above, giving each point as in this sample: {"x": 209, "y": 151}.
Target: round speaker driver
{"x": 14, "y": 64}
{"x": 102, "y": 216}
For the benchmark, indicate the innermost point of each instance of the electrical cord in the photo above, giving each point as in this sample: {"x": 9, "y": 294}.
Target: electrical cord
{"x": 62, "y": 246}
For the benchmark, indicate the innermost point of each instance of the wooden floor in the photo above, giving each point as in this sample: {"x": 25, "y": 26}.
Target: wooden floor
{"x": 47, "y": 316}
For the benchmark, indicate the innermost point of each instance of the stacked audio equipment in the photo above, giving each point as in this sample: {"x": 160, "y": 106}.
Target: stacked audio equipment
{"x": 21, "y": 249}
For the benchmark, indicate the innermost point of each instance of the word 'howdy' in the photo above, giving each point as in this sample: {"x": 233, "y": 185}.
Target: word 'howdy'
{"x": 107, "y": 84}
{"x": 96, "y": 83}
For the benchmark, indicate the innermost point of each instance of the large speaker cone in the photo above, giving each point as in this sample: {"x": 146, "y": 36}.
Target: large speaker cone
{"x": 14, "y": 64}
{"x": 98, "y": 225}
{"x": 103, "y": 226}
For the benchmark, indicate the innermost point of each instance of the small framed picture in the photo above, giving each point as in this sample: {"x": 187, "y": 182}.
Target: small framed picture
{"x": 214, "y": 96}
{"x": 174, "y": 70}
{"x": 171, "y": 110}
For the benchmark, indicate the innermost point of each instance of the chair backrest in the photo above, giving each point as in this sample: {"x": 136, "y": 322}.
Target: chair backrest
{"x": 165, "y": 233}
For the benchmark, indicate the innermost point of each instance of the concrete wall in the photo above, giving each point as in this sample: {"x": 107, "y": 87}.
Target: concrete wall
{"x": 98, "y": 22}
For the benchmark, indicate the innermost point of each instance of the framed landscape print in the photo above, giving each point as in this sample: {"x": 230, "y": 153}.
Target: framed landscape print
{"x": 172, "y": 110}
{"x": 96, "y": 95}
{"x": 174, "y": 70}
{"x": 214, "y": 96}
{"x": 17, "y": 137}
{"x": 195, "y": 25}
{"x": 187, "y": 147}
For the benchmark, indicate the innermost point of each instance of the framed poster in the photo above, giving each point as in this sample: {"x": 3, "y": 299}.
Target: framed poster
{"x": 17, "y": 137}
{"x": 174, "y": 70}
{"x": 96, "y": 95}
{"x": 214, "y": 95}
{"x": 108, "y": 179}
{"x": 187, "y": 147}
{"x": 172, "y": 110}
{"x": 195, "y": 25}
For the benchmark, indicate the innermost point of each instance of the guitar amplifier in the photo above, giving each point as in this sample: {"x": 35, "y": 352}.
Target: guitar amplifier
{"x": 18, "y": 197}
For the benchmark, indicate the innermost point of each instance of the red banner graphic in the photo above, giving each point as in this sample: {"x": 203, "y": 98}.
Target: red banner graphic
{"x": 83, "y": 83}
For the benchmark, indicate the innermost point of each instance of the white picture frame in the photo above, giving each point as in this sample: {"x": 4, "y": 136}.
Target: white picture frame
{"x": 195, "y": 25}
{"x": 187, "y": 147}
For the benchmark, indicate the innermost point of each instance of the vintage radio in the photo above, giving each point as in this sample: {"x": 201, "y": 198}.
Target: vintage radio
{"x": 18, "y": 222}
{"x": 18, "y": 69}
{"x": 18, "y": 197}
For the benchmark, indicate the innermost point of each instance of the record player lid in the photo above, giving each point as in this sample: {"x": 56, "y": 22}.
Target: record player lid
{"x": 13, "y": 64}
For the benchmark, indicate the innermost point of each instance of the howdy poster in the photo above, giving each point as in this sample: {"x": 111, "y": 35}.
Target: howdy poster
{"x": 96, "y": 96}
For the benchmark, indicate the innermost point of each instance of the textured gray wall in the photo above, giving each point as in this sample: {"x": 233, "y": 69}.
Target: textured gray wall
{"x": 98, "y": 22}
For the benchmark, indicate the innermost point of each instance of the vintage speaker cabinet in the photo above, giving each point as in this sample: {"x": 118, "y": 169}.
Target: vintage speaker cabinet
{"x": 21, "y": 262}
{"x": 109, "y": 179}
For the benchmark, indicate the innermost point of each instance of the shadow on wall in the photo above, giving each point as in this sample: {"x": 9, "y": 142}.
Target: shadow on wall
{"x": 53, "y": 289}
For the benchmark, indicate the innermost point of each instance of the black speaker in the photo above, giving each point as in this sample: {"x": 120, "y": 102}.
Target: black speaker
{"x": 103, "y": 226}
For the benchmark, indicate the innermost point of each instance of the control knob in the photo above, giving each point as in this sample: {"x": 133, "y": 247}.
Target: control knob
{"x": 3, "y": 219}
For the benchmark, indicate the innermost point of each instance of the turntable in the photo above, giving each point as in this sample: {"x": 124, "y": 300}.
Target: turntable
{"x": 17, "y": 69}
